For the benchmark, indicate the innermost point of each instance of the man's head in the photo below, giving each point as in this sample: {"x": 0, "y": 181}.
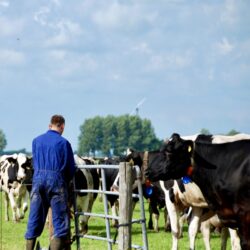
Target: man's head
{"x": 57, "y": 123}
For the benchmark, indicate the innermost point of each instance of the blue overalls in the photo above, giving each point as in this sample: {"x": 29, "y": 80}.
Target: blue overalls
{"x": 54, "y": 167}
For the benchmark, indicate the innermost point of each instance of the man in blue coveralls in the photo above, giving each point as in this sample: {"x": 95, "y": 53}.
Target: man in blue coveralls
{"x": 54, "y": 167}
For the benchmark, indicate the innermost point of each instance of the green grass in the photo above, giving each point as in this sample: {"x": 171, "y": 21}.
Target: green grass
{"x": 12, "y": 234}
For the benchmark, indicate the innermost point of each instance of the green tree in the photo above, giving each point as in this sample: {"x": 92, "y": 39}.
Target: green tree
{"x": 205, "y": 131}
{"x": 123, "y": 133}
{"x": 115, "y": 134}
{"x": 135, "y": 138}
{"x": 233, "y": 132}
{"x": 109, "y": 134}
{"x": 3, "y": 141}
{"x": 149, "y": 140}
{"x": 90, "y": 139}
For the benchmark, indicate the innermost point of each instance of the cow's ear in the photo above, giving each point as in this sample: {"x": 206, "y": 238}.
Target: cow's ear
{"x": 11, "y": 159}
{"x": 129, "y": 151}
{"x": 175, "y": 137}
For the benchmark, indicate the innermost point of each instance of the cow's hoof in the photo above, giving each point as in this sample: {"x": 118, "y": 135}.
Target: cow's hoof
{"x": 84, "y": 229}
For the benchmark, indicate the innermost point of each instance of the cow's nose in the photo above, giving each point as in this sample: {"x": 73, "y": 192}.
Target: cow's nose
{"x": 20, "y": 177}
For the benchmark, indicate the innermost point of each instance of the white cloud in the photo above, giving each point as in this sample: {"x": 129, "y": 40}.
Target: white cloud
{"x": 111, "y": 16}
{"x": 211, "y": 74}
{"x": 224, "y": 46}
{"x": 66, "y": 30}
{"x": 41, "y": 15}
{"x": 57, "y": 54}
{"x": 170, "y": 61}
{"x": 10, "y": 27}
{"x": 11, "y": 57}
{"x": 117, "y": 15}
{"x": 68, "y": 64}
{"x": 116, "y": 77}
{"x": 4, "y": 3}
{"x": 142, "y": 48}
{"x": 57, "y": 2}
{"x": 229, "y": 13}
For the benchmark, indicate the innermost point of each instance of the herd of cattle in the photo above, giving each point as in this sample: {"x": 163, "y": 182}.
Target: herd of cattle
{"x": 204, "y": 179}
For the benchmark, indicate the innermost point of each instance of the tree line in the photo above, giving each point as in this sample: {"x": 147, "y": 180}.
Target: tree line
{"x": 3, "y": 141}
{"x": 112, "y": 135}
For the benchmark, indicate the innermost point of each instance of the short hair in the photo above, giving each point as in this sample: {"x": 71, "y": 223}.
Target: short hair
{"x": 57, "y": 120}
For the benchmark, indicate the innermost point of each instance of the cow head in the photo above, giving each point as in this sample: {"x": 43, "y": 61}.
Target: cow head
{"x": 178, "y": 157}
{"x": 136, "y": 158}
{"x": 24, "y": 167}
{"x": 18, "y": 166}
{"x": 151, "y": 163}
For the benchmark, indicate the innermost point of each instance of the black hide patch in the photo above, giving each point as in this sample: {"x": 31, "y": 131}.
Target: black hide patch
{"x": 80, "y": 182}
{"x": 12, "y": 172}
{"x": 204, "y": 138}
{"x": 168, "y": 184}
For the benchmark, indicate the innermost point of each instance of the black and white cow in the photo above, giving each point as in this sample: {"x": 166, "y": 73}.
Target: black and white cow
{"x": 16, "y": 173}
{"x": 85, "y": 179}
{"x": 179, "y": 195}
{"x": 222, "y": 172}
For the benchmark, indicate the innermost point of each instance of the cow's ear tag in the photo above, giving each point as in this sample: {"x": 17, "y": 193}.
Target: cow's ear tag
{"x": 189, "y": 149}
{"x": 131, "y": 162}
{"x": 186, "y": 180}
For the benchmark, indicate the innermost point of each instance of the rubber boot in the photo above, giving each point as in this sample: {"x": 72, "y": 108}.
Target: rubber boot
{"x": 30, "y": 244}
{"x": 57, "y": 244}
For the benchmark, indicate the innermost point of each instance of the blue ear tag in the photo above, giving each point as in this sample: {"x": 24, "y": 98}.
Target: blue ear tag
{"x": 149, "y": 190}
{"x": 186, "y": 180}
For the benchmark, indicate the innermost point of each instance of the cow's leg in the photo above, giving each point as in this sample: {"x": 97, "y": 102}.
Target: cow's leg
{"x": 6, "y": 203}
{"x": 173, "y": 218}
{"x": 205, "y": 230}
{"x": 13, "y": 206}
{"x": 244, "y": 231}
{"x": 150, "y": 221}
{"x": 18, "y": 207}
{"x": 22, "y": 201}
{"x": 194, "y": 226}
{"x": 156, "y": 214}
{"x": 224, "y": 236}
{"x": 235, "y": 240}
{"x": 25, "y": 202}
{"x": 182, "y": 219}
{"x": 156, "y": 219}
{"x": 82, "y": 206}
{"x": 21, "y": 190}
{"x": 114, "y": 209}
{"x": 167, "y": 220}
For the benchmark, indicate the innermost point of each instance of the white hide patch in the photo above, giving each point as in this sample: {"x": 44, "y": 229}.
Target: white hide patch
{"x": 219, "y": 139}
{"x": 226, "y": 138}
{"x": 190, "y": 137}
{"x": 21, "y": 159}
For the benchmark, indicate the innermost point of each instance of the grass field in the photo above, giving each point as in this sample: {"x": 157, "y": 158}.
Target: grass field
{"x": 12, "y": 234}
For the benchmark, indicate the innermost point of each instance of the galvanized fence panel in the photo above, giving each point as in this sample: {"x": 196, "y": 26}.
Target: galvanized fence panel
{"x": 105, "y": 214}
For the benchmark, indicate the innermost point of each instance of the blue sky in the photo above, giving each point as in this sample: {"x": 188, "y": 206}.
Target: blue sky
{"x": 188, "y": 61}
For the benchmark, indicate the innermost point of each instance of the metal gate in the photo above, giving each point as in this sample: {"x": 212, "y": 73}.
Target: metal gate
{"x": 106, "y": 215}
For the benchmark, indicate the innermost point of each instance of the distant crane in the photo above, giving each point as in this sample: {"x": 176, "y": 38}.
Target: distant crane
{"x": 136, "y": 109}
